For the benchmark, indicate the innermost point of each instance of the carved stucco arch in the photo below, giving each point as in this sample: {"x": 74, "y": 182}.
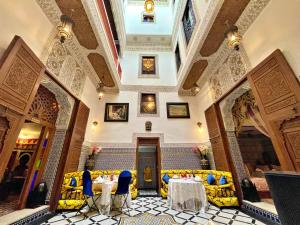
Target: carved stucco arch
{"x": 65, "y": 101}
{"x": 226, "y": 109}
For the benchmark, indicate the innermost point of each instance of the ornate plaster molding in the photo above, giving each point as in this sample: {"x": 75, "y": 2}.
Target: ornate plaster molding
{"x": 53, "y": 13}
{"x": 141, "y": 2}
{"x": 65, "y": 101}
{"x": 251, "y": 12}
{"x": 138, "y": 42}
{"x": 147, "y": 47}
{"x": 148, "y": 88}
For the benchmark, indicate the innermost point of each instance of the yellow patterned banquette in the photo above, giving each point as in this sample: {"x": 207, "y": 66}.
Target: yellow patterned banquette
{"x": 74, "y": 199}
{"x": 220, "y": 195}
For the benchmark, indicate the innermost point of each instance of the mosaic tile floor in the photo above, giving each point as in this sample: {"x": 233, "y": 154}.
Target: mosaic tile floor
{"x": 9, "y": 205}
{"x": 158, "y": 206}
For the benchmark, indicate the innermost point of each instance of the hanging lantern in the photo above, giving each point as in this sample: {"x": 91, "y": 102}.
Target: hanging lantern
{"x": 195, "y": 89}
{"x": 149, "y": 6}
{"x": 100, "y": 90}
{"x": 233, "y": 36}
{"x": 65, "y": 28}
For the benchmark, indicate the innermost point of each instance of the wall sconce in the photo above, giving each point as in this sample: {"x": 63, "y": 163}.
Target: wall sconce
{"x": 149, "y": 6}
{"x": 200, "y": 128}
{"x": 195, "y": 89}
{"x": 65, "y": 28}
{"x": 100, "y": 90}
{"x": 94, "y": 125}
{"x": 233, "y": 36}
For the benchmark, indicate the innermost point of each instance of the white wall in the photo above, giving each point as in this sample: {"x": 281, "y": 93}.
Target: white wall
{"x": 278, "y": 26}
{"x": 130, "y": 63}
{"x": 26, "y": 19}
{"x": 204, "y": 100}
{"x": 175, "y": 130}
{"x": 162, "y": 25}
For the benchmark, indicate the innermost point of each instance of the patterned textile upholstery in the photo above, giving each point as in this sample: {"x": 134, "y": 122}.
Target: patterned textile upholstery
{"x": 220, "y": 195}
{"x": 72, "y": 197}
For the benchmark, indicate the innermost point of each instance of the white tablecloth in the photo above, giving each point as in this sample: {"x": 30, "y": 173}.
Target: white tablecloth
{"x": 187, "y": 194}
{"x": 103, "y": 202}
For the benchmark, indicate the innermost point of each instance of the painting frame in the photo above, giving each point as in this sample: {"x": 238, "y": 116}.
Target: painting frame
{"x": 171, "y": 115}
{"x": 109, "y": 107}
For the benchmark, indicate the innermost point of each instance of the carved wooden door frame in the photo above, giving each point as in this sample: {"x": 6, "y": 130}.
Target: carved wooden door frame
{"x": 277, "y": 93}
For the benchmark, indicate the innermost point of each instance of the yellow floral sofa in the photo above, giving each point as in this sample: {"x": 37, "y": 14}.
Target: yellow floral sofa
{"x": 220, "y": 195}
{"x": 74, "y": 199}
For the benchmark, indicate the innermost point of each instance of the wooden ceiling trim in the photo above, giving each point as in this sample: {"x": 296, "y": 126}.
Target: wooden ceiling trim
{"x": 231, "y": 10}
{"x": 194, "y": 74}
{"x": 100, "y": 66}
{"x": 82, "y": 29}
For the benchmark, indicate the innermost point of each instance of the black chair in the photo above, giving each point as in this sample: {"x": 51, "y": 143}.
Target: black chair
{"x": 285, "y": 190}
{"x": 124, "y": 181}
{"x": 88, "y": 193}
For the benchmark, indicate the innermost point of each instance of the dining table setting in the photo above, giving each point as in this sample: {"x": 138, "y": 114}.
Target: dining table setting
{"x": 103, "y": 187}
{"x": 187, "y": 193}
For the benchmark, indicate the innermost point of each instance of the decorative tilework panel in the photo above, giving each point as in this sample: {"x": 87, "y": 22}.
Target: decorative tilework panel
{"x": 53, "y": 159}
{"x": 115, "y": 158}
{"x": 83, "y": 157}
{"x": 179, "y": 158}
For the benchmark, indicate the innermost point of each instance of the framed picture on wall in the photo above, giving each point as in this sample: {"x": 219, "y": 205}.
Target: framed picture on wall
{"x": 178, "y": 110}
{"x": 116, "y": 112}
{"x": 148, "y": 103}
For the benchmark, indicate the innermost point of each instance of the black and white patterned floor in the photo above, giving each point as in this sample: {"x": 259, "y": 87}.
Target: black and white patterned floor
{"x": 158, "y": 206}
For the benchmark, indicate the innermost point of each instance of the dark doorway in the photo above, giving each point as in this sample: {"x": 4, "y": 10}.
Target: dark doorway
{"x": 148, "y": 166}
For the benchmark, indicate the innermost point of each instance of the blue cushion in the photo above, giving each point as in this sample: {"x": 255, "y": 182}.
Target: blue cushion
{"x": 211, "y": 179}
{"x": 73, "y": 182}
{"x": 223, "y": 180}
{"x": 166, "y": 178}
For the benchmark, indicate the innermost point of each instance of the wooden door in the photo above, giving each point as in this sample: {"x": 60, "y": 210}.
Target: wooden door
{"x": 217, "y": 137}
{"x": 147, "y": 167}
{"x": 220, "y": 146}
{"x": 77, "y": 138}
{"x": 277, "y": 93}
{"x": 20, "y": 75}
{"x": 69, "y": 159}
{"x": 150, "y": 141}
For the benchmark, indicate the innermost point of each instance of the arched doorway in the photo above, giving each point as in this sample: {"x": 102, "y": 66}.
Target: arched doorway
{"x": 29, "y": 155}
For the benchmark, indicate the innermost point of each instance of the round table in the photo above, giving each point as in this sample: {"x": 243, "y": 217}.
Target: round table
{"x": 187, "y": 194}
{"x": 103, "y": 202}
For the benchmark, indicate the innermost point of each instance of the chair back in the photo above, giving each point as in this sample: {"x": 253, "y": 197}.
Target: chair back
{"x": 87, "y": 183}
{"x": 124, "y": 180}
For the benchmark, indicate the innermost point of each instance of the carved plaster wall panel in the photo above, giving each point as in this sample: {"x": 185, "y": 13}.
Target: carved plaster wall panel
{"x": 227, "y": 74}
{"x": 61, "y": 63}
{"x": 54, "y": 55}
{"x": 250, "y": 13}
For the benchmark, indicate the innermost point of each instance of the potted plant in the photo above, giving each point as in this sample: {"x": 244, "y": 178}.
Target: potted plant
{"x": 90, "y": 162}
{"x": 202, "y": 150}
